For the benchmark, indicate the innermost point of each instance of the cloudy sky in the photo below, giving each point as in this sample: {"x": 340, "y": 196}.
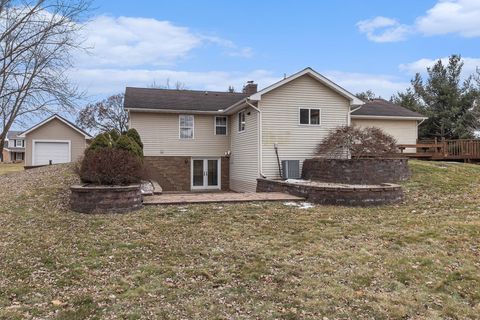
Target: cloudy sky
{"x": 370, "y": 44}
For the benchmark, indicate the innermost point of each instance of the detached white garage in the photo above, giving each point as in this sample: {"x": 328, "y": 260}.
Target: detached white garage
{"x": 54, "y": 141}
{"x": 50, "y": 152}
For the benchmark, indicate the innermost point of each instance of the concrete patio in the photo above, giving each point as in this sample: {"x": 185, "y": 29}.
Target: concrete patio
{"x": 224, "y": 197}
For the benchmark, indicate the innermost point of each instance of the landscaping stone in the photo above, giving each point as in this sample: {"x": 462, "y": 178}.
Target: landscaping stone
{"x": 356, "y": 171}
{"x": 105, "y": 199}
{"x": 336, "y": 194}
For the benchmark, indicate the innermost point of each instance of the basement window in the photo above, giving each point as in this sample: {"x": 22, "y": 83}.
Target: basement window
{"x": 310, "y": 116}
{"x": 221, "y": 126}
{"x": 186, "y": 126}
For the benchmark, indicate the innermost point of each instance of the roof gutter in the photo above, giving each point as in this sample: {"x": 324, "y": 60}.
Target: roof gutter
{"x": 260, "y": 138}
{"x": 388, "y": 117}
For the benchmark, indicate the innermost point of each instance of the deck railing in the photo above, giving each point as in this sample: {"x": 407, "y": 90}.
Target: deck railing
{"x": 461, "y": 149}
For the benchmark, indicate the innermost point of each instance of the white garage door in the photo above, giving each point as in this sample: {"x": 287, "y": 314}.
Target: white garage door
{"x": 46, "y": 151}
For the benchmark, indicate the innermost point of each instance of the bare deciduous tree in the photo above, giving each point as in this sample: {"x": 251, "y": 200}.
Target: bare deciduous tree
{"x": 37, "y": 39}
{"x": 178, "y": 85}
{"x": 105, "y": 115}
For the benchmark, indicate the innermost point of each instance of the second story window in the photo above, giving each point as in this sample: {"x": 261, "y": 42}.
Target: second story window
{"x": 221, "y": 126}
{"x": 186, "y": 126}
{"x": 241, "y": 121}
{"x": 18, "y": 143}
{"x": 310, "y": 116}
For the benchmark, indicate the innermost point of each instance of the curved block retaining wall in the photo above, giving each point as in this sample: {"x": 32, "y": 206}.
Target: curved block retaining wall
{"x": 105, "y": 199}
{"x": 356, "y": 171}
{"x": 337, "y": 195}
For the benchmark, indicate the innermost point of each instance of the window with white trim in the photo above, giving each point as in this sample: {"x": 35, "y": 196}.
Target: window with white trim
{"x": 186, "y": 123}
{"x": 221, "y": 126}
{"x": 241, "y": 121}
{"x": 18, "y": 143}
{"x": 310, "y": 116}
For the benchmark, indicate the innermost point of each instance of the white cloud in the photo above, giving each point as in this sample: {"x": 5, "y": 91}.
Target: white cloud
{"x": 460, "y": 17}
{"x": 135, "y": 41}
{"x": 382, "y": 29}
{"x": 383, "y": 85}
{"x": 421, "y": 65}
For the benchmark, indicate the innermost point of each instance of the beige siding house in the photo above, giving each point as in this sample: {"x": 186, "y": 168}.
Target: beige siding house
{"x": 198, "y": 140}
{"x": 53, "y": 141}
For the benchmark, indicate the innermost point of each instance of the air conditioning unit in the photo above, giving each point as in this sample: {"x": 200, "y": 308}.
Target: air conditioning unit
{"x": 291, "y": 169}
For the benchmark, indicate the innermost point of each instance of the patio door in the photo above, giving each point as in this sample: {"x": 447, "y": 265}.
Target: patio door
{"x": 206, "y": 173}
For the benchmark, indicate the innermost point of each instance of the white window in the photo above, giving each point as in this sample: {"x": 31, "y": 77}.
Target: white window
{"x": 241, "y": 121}
{"x": 18, "y": 143}
{"x": 186, "y": 126}
{"x": 221, "y": 126}
{"x": 310, "y": 116}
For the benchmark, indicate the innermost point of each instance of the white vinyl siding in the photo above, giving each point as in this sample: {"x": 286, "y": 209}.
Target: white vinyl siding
{"x": 404, "y": 131}
{"x": 244, "y": 153}
{"x": 159, "y": 134}
{"x": 281, "y": 123}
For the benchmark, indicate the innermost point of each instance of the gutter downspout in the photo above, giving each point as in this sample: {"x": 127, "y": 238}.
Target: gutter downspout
{"x": 419, "y": 123}
{"x": 349, "y": 120}
{"x": 260, "y": 138}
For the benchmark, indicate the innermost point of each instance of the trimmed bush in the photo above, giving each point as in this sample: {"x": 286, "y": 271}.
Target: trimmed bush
{"x": 126, "y": 143}
{"x": 103, "y": 140}
{"x": 110, "y": 166}
{"x": 113, "y": 159}
{"x": 132, "y": 133}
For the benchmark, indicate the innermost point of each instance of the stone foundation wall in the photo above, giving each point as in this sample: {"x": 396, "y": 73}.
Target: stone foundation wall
{"x": 105, "y": 199}
{"x": 348, "y": 196}
{"x": 173, "y": 173}
{"x": 356, "y": 171}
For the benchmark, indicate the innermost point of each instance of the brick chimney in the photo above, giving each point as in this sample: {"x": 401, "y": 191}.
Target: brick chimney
{"x": 250, "y": 88}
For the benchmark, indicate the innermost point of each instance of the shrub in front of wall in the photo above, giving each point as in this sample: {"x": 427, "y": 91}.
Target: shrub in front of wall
{"x": 111, "y": 166}
{"x": 132, "y": 133}
{"x": 101, "y": 141}
{"x": 126, "y": 143}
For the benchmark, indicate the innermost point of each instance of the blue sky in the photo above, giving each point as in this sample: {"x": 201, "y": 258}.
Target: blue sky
{"x": 209, "y": 45}
{"x": 376, "y": 45}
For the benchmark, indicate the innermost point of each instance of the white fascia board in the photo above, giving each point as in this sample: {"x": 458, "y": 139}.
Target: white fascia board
{"x": 23, "y": 134}
{"x": 386, "y": 117}
{"x": 354, "y": 101}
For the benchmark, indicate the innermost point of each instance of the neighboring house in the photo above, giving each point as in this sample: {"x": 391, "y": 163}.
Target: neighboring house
{"x": 200, "y": 140}
{"x": 14, "y": 148}
{"x": 52, "y": 141}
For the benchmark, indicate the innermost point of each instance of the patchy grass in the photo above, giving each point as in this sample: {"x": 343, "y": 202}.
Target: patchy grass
{"x": 418, "y": 260}
{"x": 10, "y": 167}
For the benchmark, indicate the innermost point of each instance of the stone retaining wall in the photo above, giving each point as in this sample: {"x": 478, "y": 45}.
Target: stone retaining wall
{"x": 105, "y": 199}
{"x": 336, "y": 195}
{"x": 356, "y": 171}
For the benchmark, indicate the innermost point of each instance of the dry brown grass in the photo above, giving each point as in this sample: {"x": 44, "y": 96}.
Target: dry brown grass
{"x": 418, "y": 260}
{"x": 10, "y": 167}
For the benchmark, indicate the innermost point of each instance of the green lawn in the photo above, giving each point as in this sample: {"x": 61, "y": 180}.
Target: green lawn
{"x": 417, "y": 260}
{"x": 10, "y": 167}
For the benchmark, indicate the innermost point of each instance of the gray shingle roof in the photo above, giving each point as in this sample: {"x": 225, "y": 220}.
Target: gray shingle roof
{"x": 189, "y": 100}
{"x": 380, "y": 107}
{"x": 13, "y": 135}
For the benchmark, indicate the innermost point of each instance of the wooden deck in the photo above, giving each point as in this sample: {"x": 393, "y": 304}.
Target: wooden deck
{"x": 220, "y": 197}
{"x": 460, "y": 150}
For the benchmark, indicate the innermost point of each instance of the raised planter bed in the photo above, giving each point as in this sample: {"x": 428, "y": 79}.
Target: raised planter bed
{"x": 88, "y": 198}
{"x": 356, "y": 171}
{"x": 336, "y": 194}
